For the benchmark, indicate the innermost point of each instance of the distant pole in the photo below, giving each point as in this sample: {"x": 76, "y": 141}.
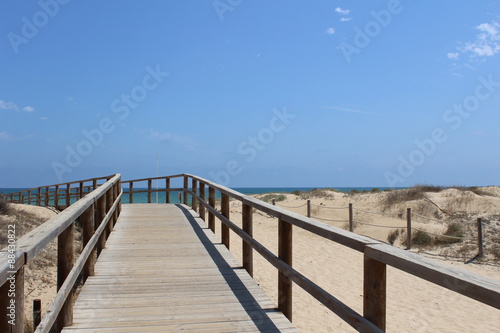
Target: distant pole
{"x": 480, "y": 237}
{"x": 157, "y": 177}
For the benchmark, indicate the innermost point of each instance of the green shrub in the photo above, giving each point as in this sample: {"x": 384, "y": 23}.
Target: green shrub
{"x": 421, "y": 239}
{"x": 393, "y": 235}
{"x": 453, "y": 230}
{"x": 297, "y": 193}
{"x": 269, "y": 197}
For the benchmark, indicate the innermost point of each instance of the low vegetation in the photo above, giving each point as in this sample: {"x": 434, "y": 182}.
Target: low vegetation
{"x": 4, "y": 205}
{"x": 418, "y": 192}
{"x": 272, "y": 196}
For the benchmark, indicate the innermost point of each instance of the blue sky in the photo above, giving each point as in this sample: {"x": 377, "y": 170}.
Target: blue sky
{"x": 251, "y": 93}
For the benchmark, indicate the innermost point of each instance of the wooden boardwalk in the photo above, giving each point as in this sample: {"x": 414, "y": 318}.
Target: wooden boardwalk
{"x": 164, "y": 271}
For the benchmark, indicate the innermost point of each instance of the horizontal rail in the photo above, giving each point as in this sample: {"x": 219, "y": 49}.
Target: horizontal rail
{"x": 105, "y": 204}
{"x": 63, "y": 293}
{"x": 377, "y": 255}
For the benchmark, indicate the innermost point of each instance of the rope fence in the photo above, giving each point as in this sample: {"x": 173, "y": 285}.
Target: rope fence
{"x": 409, "y": 217}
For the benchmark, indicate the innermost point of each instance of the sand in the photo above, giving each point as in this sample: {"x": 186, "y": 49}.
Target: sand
{"x": 413, "y": 305}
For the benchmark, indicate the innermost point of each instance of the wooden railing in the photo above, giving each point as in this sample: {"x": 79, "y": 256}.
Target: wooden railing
{"x": 59, "y": 196}
{"x": 130, "y": 188}
{"x": 377, "y": 256}
{"x": 98, "y": 211}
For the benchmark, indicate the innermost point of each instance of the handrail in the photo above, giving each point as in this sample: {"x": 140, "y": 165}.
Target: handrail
{"x": 377, "y": 255}
{"x": 45, "y": 195}
{"x": 102, "y": 206}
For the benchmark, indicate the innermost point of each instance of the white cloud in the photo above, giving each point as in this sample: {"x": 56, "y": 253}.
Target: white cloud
{"x": 486, "y": 43}
{"x": 184, "y": 142}
{"x": 13, "y": 106}
{"x": 4, "y": 136}
{"x": 345, "y": 19}
{"x": 7, "y": 105}
{"x": 342, "y": 11}
{"x": 330, "y": 31}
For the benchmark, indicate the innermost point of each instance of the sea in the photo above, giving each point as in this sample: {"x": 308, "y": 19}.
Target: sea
{"x": 174, "y": 196}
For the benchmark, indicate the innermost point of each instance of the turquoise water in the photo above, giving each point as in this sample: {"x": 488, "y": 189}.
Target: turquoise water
{"x": 174, "y": 196}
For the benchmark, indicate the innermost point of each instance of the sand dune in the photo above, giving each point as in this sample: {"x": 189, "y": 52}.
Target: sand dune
{"x": 413, "y": 305}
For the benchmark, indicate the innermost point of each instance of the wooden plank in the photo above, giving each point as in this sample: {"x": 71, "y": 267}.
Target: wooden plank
{"x": 247, "y": 252}
{"x": 472, "y": 285}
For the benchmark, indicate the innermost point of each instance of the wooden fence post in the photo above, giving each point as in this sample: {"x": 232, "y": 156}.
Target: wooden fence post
{"x": 88, "y": 229}
{"x": 37, "y": 312}
{"x": 100, "y": 214}
{"x": 17, "y": 309}
{"x": 408, "y": 228}
{"x": 247, "y": 222}
{"x": 109, "y": 204}
{"x": 194, "y": 202}
{"x": 167, "y": 192}
{"x": 225, "y": 212}
{"x": 211, "y": 202}
{"x": 150, "y": 188}
{"x": 374, "y": 292}
{"x": 68, "y": 195}
{"x": 185, "y": 194}
{"x": 285, "y": 254}
{"x": 273, "y": 201}
{"x": 480, "y": 237}
{"x": 131, "y": 192}
{"x": 308, "y": 208}
{"x": 201, "y": 204}
{"x": 39, "y": 197}
{"x": 81, "y": 190}
{"x": 29, "y": 197}
{"x": 47, "y": 196}
{"x": 64, "y": 266}
{"x": 351, "y": 218}
{"x": 56, "y": 198}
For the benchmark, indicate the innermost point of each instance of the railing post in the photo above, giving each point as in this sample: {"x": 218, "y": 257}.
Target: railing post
{"x": 374, "y": 292}
{"x": 211, "y": 202}
{"x": 131, "y": 192}
{"x": 94, "y": 183}
{"x": 225, "y": 213}
{"x": 201, "y": 204}
{"x": 29, "y": 197}
{"x": 47, "y": 196}
{"x": 194, "y": 188}
{"x": 39, "y": 197}
{"x": 68, "y": 195}
{"x": 6, "y": 306}
{"x": 247, "y": 222}
{"x": 37, "y": 312}
{"x": 285, "y": 254}
{"x": 167, "y": 191}
{"x": 100, "y": 214}
{"x": 480, "y": 237}
{"x": 273, "y": 201}
{"x": 56, "y": 198}
{"x": 408, "y": 228}
{"x": 351, "y": 218}
{"x": 150, "y": 188}
{"x": 109, "y": 204}
{"x": 308, "y": 208}
{"x": 186, "y": 185}
{"x": 88, "y": 229}
{"x": 64, "y": 266}
{"x": 81, "y": 190}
